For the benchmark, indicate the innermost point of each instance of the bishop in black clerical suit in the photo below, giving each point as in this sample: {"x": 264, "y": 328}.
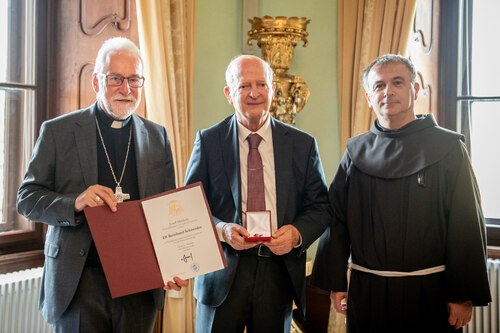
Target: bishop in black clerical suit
{"x": 83, "y": 159}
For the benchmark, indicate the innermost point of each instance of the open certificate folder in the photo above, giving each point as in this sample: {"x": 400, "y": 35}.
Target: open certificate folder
{"x": 149, "y": 241}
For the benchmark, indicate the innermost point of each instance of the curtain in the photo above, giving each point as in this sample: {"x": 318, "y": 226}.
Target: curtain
{"x": 179, "y": 312}
{"x": 166, "y": 37}
{"x": 366, "y": 30}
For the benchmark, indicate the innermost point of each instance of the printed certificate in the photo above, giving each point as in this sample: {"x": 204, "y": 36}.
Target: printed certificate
{"x": 149, "y": 241}
{"x": 183, "y": 234}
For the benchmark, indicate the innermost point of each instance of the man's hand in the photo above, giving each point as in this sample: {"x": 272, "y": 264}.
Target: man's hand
{"x": 234, "y": 234}
{"x": 339, "y": 301}
{"x": 284, "y": 240}
{"x": 95, "y": 195}
{"x": 460, "y": 314}
{"x": 177, "y": 284}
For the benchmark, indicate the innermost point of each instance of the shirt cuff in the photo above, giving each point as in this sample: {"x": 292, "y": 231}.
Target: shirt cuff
{"x": 220, "y": 230}
{"x": 300, "y": 242}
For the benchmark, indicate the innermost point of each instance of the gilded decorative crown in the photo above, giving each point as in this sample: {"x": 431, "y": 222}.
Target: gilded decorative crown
{"x": 280, "y": 25}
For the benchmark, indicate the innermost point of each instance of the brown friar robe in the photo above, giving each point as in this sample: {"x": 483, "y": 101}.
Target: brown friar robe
{"x": 404, "y": 200}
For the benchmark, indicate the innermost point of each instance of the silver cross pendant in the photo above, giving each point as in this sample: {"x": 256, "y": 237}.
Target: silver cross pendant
{"x": 119, "y": 195}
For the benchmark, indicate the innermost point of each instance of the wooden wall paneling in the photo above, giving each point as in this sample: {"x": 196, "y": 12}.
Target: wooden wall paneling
{"x": 434, "y": 50}
{"x": 96, "y": 16}
{"x": 86, "y": 94}
{"x": 424, "y": 101}
{"x": 79, "y": 29}
{"x": 423, "y": 50}
{"x": 447, "y": 19}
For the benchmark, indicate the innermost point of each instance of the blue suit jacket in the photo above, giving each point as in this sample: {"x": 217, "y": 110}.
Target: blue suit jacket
{"x": 64, "y": 164}
{"x": 301, "y": 195}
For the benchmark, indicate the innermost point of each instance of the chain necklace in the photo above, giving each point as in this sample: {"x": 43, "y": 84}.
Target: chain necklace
{"x": 120, "y": 196}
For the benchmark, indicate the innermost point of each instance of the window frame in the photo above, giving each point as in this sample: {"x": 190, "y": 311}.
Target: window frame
{"x": 464, "y": 99}
{"x": 23, "y": 248}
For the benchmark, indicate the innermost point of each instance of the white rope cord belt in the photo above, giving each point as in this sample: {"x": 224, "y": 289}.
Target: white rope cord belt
{"x": 427, "y": 271}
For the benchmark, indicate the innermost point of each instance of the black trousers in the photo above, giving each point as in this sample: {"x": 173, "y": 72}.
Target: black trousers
{"x": 93, "y": 310}
{"x": 260, "y": 299}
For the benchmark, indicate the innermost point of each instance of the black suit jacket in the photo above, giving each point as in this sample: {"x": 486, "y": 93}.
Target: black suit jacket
{"x": 301, "y": 195}
{"x": 64, "y": 164}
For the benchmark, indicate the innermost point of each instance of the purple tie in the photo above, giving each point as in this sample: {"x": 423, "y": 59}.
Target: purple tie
{"x": 256, "y": 199}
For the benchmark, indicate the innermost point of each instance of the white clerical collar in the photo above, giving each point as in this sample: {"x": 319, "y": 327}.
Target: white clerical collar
{"x": 105, "y": 119}
{"x": 117, "y": 124}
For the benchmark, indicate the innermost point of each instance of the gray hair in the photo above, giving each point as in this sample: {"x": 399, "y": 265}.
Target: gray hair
{"x": 233, "y": 67}
{"x": 114, "y": 45}
{"x": 388, "y": 59}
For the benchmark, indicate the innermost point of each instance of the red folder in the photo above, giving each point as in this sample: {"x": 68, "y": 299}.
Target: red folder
{"x": 125, "y": 247}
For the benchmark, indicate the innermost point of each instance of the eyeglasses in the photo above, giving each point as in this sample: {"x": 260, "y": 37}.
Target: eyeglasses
{"x": 117, "y": 80}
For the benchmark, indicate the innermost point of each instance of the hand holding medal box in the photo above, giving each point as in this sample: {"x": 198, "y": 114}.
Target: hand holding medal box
{"x": 259, "y": 226}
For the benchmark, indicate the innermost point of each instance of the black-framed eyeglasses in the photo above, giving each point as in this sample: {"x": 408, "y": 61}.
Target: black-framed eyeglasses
{"x": 117, "y": 80}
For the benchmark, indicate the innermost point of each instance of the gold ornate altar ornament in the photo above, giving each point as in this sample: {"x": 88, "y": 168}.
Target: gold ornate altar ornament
{"x": 277, "y": 38}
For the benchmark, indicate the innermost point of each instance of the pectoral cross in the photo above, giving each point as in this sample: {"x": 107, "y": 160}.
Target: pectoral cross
{"x": 119, "y": 195}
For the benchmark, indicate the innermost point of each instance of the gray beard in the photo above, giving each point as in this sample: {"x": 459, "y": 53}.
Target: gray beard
{"x": 106, "y": 106}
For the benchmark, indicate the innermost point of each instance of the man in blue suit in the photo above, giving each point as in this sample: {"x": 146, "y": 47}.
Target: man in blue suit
{"x": 262, "y": 279}
{"x": 78, "y": 161}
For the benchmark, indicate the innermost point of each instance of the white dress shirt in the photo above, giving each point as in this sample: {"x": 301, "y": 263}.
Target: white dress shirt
{"x": 266, "y": 151}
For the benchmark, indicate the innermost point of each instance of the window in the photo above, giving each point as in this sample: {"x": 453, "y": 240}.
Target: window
{"x": 479, "y": 102}
{"x": 21, "y": 100}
